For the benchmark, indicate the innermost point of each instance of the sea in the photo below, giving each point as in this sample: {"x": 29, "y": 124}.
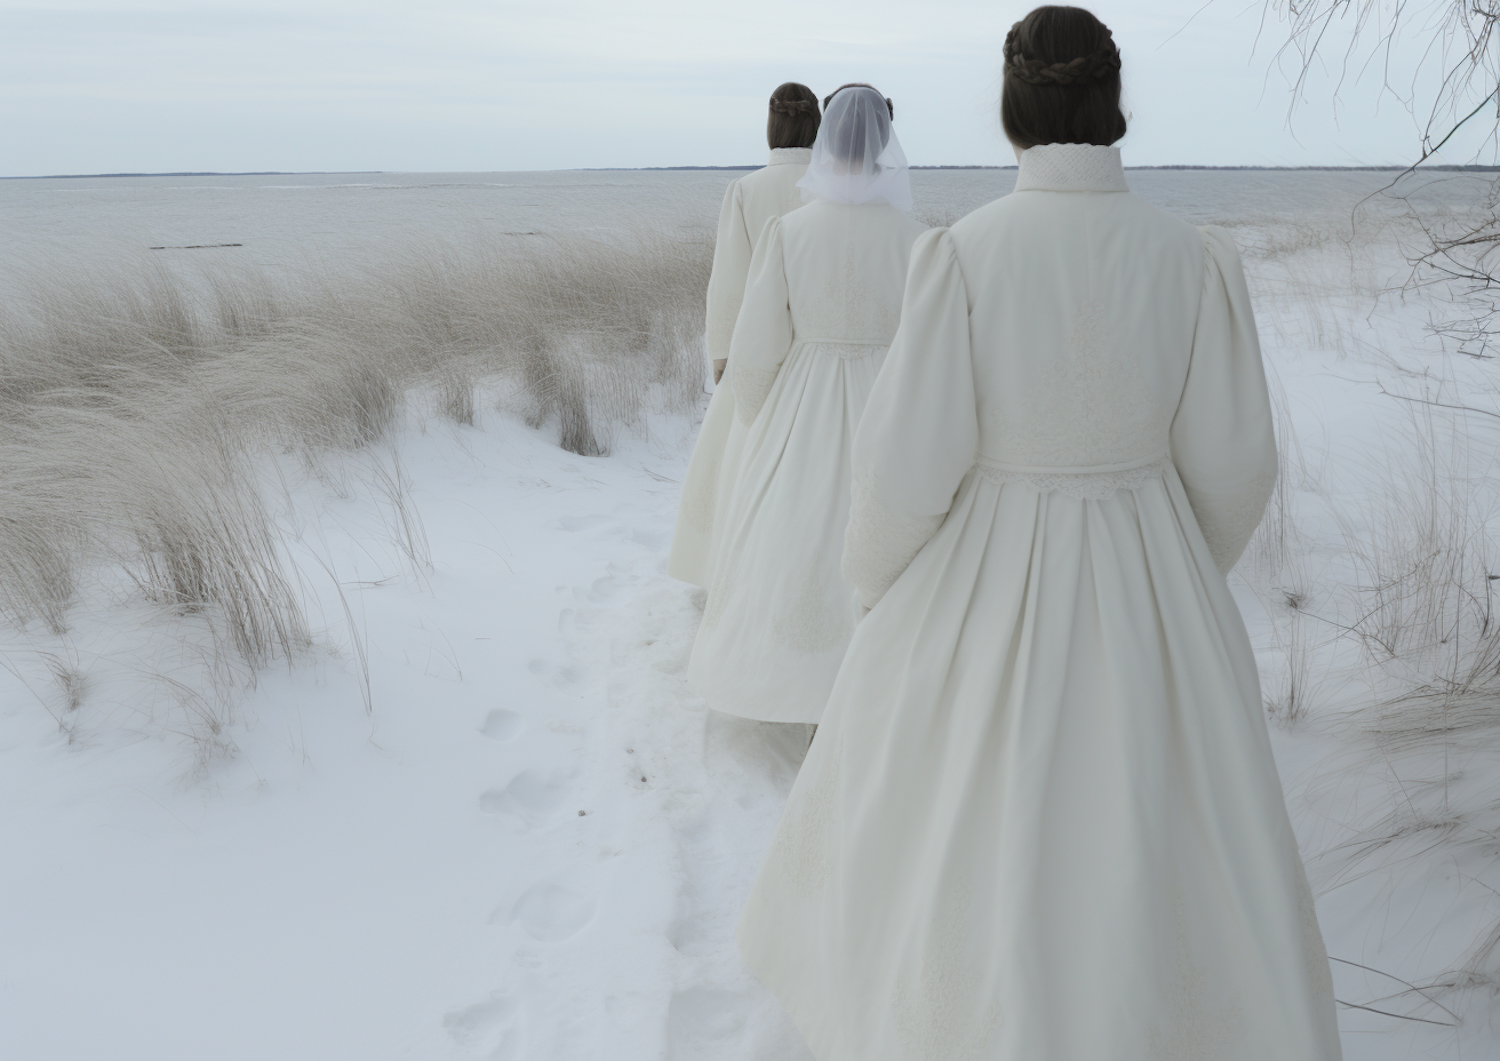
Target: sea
{"x": 280, "y": 220}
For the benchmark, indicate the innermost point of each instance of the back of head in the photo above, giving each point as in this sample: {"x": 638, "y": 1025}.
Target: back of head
{"x": 857, "y": 158}
{"x": 1062, "y": 80}
{"x": 860, "y": 127}
{"x": 793, "y": 120}
{"x": 828, "y": 99}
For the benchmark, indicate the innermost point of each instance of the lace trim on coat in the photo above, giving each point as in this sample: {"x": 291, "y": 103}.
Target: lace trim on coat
{"x": 699, "y": 499}
{"x": 1071, "y": 168}
{"x": 1199, "y": 1019}
{"x": 940, "y": 1009}
{"x": 790, "y": 156}
{"x": 1088, "y": 484}
{"x": 816, "y": 619}
{"x": 1083, "y": 405}
{"x": 844, "y": 349}
{"x": 806, "y": 832}
{"x": 1227, "y": 522}
{"x": 751, "y": 389}
{"x": 880, "y": 542}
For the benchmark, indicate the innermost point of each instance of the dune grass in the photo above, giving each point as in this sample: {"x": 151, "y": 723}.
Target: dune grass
{"x": 138, "y": 403}
{"x": 1377, "y": 566}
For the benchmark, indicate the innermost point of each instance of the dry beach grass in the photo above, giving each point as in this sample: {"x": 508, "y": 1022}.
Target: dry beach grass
{"x": 139, "y": 405}
{"x": 1376, "y": 564}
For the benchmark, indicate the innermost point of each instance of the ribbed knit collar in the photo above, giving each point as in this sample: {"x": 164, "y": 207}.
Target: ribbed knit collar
{"x": 787, "y": 156}
{"x": 1071, "y": 168}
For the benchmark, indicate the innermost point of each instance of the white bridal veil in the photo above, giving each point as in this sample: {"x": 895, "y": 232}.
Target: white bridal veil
{"x": 857, "y": 158}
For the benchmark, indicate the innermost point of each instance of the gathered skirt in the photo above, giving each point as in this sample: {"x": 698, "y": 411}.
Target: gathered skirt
{"x": 779, "y": 614}
{"x": 1041, "y": 820}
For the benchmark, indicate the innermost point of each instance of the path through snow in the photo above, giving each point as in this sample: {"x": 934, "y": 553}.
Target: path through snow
{"x": 535, "y": 846}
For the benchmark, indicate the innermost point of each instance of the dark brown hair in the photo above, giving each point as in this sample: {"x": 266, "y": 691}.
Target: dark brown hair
{"x": 794, "y": 116}
{"x": 889, "y": 106}
{"x": 1062, "y": 80}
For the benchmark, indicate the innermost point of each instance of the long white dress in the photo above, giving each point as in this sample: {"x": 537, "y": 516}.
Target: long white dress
{"x": 1041, "y": 820}
{"x": 821, "y": 307}
{"x": 749, "y": 203}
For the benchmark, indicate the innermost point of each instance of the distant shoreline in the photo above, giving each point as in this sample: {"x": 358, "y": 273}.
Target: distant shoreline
{"x": 202, "y": 173}
{"x": 1265, "y": 169}
{"x": 735, "y": 169}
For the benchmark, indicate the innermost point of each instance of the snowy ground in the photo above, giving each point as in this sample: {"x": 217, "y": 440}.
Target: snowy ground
{"x": 487, "y": 818}
{"x": 534, "y": 845}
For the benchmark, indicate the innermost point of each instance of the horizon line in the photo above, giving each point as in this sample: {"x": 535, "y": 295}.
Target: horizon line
{"x": 669, "y": 169}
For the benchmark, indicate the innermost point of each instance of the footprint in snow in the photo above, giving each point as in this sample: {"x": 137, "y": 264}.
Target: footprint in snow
{"x": 550, "y": 913}
{"x": 700, "y": 1019}
{"x": 502, "y": 725}
{"x": 653, "y": 541}
{"x": 532, "y": 796}
{"x": 603, "y": 589}
{"x": 491, "y": 1027}
{"x": 562, "y": 676}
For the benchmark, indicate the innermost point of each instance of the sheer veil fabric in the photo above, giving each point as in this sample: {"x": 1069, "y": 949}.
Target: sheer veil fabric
{"x": 857, "y": 158}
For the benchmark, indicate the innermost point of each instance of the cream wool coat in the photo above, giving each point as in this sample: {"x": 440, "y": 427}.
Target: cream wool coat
{"x": 749, "y": 203}
{"x": 821, "y": 307}
{"x": 1041, "y": 820}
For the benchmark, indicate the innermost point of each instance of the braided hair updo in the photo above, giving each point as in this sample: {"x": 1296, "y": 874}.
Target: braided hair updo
{"x": 794, "y": 118}
{"x": 1062, "y": 80}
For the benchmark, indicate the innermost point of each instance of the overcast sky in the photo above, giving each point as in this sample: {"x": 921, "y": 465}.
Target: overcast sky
{"x": 484, "y": 85}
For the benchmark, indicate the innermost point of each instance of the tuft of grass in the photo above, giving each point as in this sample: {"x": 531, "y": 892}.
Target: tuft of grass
{"x": 1423, "y": 553}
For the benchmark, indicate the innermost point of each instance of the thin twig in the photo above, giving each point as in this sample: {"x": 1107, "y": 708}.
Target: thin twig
{"x": 1398, "y": 1016}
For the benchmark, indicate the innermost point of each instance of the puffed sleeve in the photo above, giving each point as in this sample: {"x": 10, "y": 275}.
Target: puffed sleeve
{"x": 1223, "y": 440}
{"x": 917, "y": 437}
{"x": 726, "y": 284}
{"x": 763, "y": 334}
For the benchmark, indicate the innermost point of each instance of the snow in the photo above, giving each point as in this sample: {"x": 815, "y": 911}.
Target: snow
{"x": 534, "y": 845}
{"x": 485, "y": 817}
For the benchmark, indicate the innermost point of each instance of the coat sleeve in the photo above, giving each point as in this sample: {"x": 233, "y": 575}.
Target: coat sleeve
{"x": 1223, "y": 440}
{"x": 726, "y": 284}
{"x": 917, "y": 437}
{"x": 763, "y": 333}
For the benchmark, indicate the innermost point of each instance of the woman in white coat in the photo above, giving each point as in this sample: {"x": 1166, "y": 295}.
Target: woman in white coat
{"x": 749, "y": 203}
{"x": 1041, "y": 820}
{"x": 820, "y": 310}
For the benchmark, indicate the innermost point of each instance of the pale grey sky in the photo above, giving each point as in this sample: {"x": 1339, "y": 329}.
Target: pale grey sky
{"x": 469, "y": 85}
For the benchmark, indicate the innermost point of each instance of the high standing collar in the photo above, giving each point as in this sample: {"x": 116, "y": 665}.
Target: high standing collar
{"x": 787, "y": 156}
{"x": 1070, "y": 168}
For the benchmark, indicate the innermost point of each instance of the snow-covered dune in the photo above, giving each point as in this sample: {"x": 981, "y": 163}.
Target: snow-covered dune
{"x": 532, "y": 844}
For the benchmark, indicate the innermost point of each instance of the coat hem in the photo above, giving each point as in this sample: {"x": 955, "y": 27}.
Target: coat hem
{"x": 806, "y": 1028}
{"x": 764, "y": 716}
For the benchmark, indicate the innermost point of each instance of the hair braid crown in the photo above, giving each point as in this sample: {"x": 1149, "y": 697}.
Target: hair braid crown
{"x": 791, "y": 107}
{"x": 1101, "y": 62}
